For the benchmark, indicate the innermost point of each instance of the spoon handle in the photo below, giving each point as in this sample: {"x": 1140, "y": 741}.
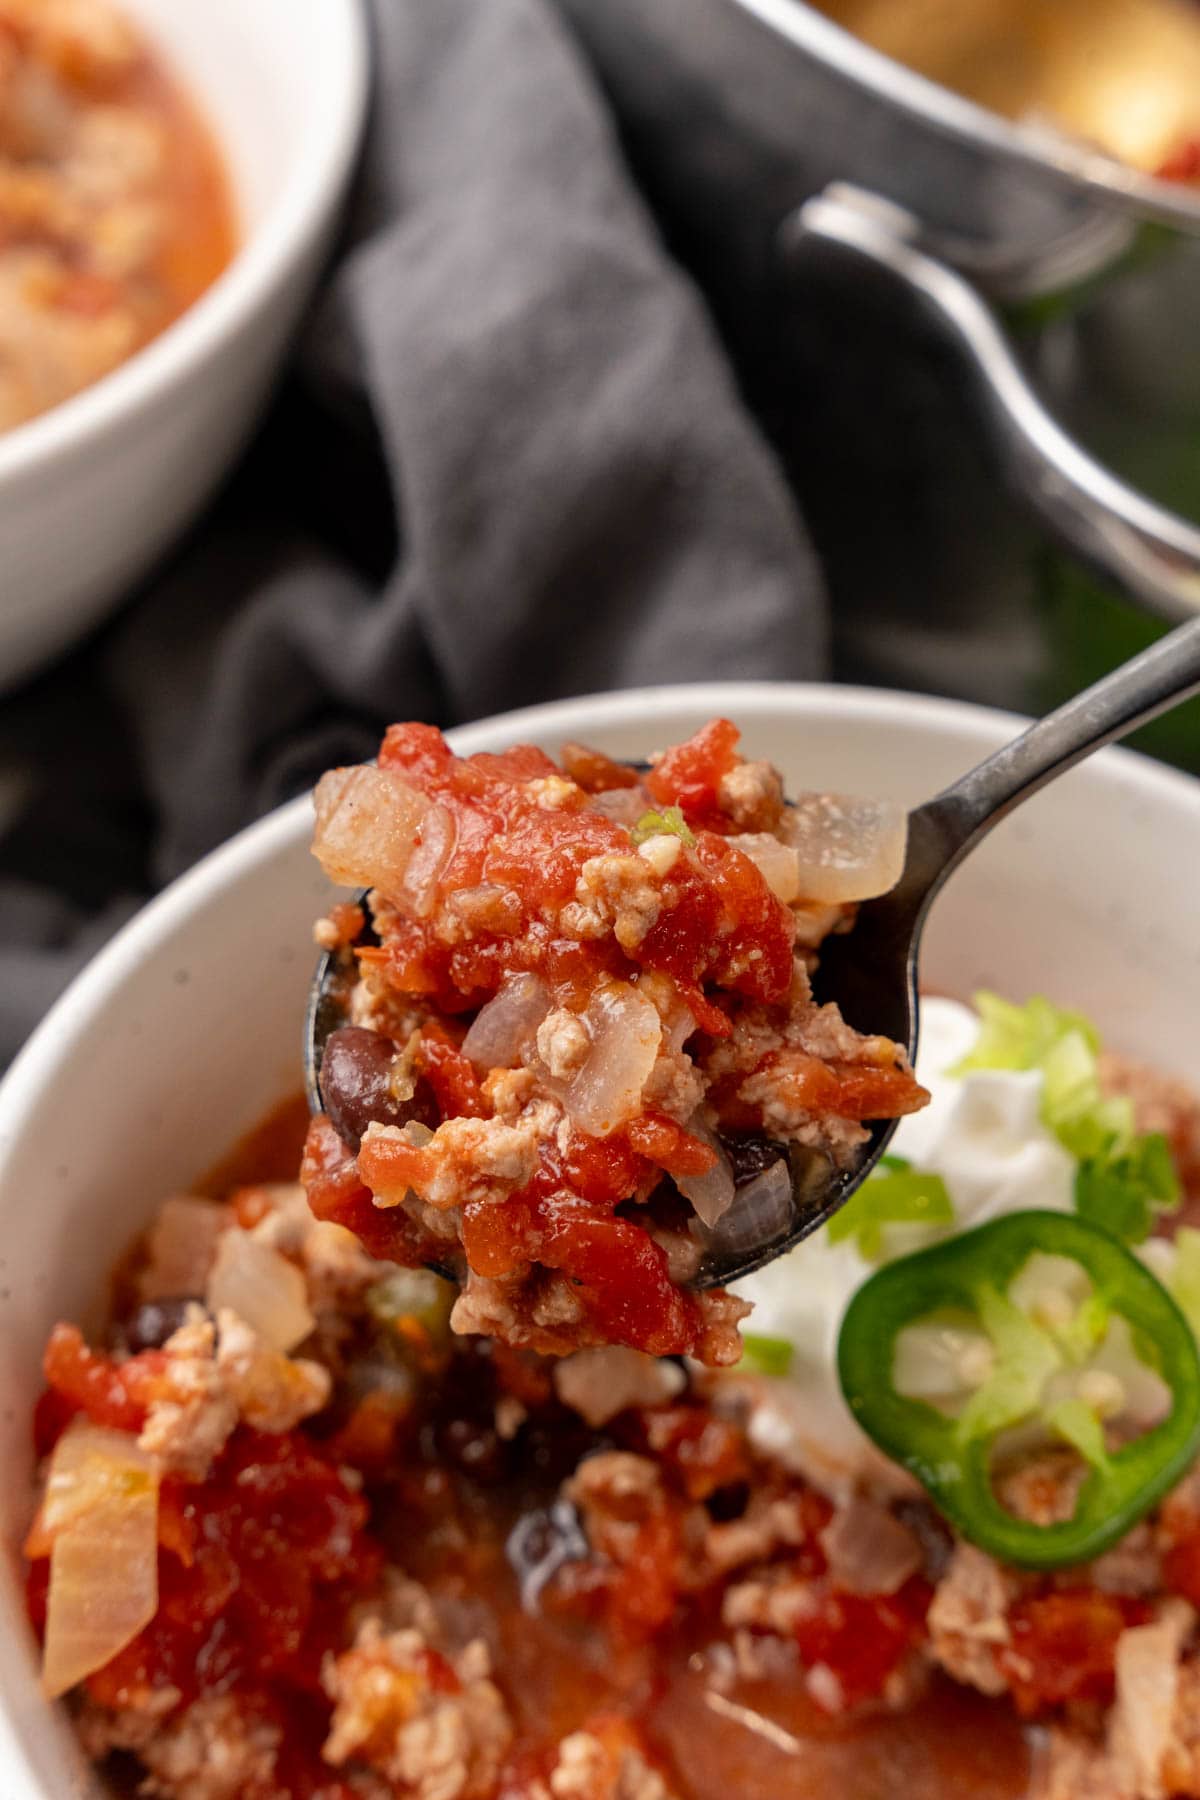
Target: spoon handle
{"x": 947, "y": 827}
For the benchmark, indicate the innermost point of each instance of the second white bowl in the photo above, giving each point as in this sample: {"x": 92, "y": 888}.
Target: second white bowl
{"x": 94, "y": 490}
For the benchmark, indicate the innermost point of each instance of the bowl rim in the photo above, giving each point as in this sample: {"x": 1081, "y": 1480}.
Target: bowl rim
{"x": 259, "y": 265}
{"x": 279, "y": 830}
{"x": 953, "y": 115}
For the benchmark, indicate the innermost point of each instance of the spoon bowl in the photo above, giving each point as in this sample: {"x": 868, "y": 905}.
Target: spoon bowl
{"x": 872, "y": 971}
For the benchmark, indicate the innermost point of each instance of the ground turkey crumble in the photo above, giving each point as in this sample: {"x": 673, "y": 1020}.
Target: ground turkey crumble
{"x": 431, "y": 1726}
{"x": 585, "y": 993}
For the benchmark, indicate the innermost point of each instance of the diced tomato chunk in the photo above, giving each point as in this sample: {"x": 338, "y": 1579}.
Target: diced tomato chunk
{"x": 418, "y": 751}
{"x": 279, "y": 1554}
{"x": 594, "y": 772}
{"x": 702, "y": 1451}
{"x": 623, "y": 1278}
{"x": 665, "y": 1142}
{"x": 847, "y": 1090}
{"x": 451, "y": 1075}
{"x": 110, "y": 1393}
{"x": 688, "y": 775}
{"x": 1062, "y": 1647}
{"x": 336, "y": 1192}
{"x": 863, "y": 1638}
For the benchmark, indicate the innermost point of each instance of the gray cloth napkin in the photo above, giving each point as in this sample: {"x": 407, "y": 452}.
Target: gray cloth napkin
{"x": 508, "y": 463}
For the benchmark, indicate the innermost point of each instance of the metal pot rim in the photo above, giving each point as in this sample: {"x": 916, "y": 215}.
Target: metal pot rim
{"x": 1060, "y": 160}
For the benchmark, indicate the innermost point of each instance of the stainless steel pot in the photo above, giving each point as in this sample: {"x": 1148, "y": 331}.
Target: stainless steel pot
{"x": 829, "y": 157}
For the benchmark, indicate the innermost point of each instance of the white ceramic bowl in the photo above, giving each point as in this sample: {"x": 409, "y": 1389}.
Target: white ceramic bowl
{"x": 187, "y": 1027}
{"x": 92, "y": 491}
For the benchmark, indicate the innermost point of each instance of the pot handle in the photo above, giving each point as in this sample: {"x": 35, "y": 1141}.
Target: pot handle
{"x": 1150, "y": 553}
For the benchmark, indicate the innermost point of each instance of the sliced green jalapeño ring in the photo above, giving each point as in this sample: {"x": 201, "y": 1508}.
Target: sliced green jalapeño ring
{"x": 952, "y": 1456}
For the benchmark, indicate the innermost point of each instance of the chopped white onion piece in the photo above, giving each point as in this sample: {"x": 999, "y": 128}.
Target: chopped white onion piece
{"x": 626, "y": 1034}
{"x": 778, "y": 864}
{"x": 1051, "y": 1289}
{"x": 506, "y": 1027}
{"x": 263, "y": 1288}
{"x": 762, "y": 1210}
{"x": 366, "y": 833}
{"x": 848, "y": 849}
{"x": 181, "y": 1246}
{"x": 1147, "y": 1398}
{"x": 598, "y": 1384}
{"x": 103, "y": 1493}
{"x": 625, "y": 805}
{"x": 436, "y": 838}
{"x": 711, "y": 1194}
{"x": 942, "y": 1362}
{"x": 1142, "y": 1724}
{"x": 868, "y": 1550}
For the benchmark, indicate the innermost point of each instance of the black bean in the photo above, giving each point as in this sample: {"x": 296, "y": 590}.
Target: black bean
{"x": 728, "y": 1502}
{"x": 356, "y": 1085}
{"x": 155, "y": 1321}
{"x": 751, "y": 1154}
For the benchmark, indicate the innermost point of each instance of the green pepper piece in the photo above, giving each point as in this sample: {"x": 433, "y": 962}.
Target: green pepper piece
{"x": 951, "y": 1457}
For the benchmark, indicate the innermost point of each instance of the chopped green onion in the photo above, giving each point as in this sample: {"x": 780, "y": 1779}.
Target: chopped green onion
{"x": 1085, "y": 1330}
{"x": 1185, "y": 1277}
{"x": 901, "y": 1196}
{"x": 766, "y": 1355}
{"x": 1078, "y": 1424}
{"x": 1122, "y": 1180}
{"x": 1026, "y": 1357}
{"x": 670, "y": 822}
{"x": 1123, "y": 1193}
{"x": 1020, "y": 1037}
{"x": 1073, "y": 1106}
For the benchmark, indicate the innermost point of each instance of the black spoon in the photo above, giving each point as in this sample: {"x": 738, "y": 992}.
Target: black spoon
{"x": 872, "y": 971}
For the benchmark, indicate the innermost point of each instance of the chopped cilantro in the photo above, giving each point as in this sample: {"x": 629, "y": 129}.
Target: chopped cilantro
{"x": 670, "y": 821}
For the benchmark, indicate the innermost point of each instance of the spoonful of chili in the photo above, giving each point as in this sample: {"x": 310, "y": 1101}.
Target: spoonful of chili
{"x": 871, "y": 971}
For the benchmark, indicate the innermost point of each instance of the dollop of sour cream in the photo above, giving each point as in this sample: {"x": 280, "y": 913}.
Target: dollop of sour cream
{"x": 982, "y": 1133}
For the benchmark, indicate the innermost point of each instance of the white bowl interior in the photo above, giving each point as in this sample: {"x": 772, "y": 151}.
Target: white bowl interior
{"x": 187, "y": 1027}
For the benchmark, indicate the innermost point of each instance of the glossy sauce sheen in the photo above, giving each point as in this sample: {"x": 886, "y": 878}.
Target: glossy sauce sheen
{"x": 757, "y": 1740}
